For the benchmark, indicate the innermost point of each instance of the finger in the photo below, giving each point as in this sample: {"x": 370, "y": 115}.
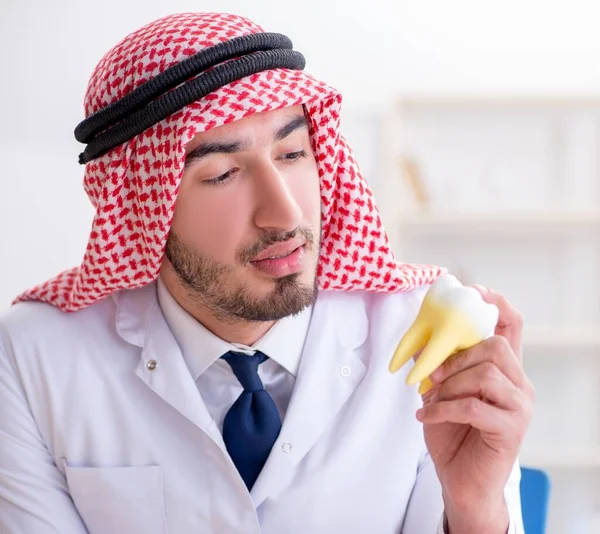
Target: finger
{"x": 469, "y": 411}
{"x": 495, "y": 349}
{"x": 486, "y": 381}
{"x": 414, "y": 339}
{"x": 510, "y": 320}
{"x": 430, "y": 396}
{"x": 441, "y": 344}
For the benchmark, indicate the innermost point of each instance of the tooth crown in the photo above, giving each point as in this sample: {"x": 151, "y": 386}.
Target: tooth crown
{"x": 452, "y": 318}
{"x": 448, "y": 297}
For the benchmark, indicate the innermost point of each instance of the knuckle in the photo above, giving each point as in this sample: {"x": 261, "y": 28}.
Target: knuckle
{"x": 471, "y": 407}
{"x": 524, "y": 412}
{"x": 498, "y": 347}
{"x": 489, "y": 372}
{"x": 519, "y": 400}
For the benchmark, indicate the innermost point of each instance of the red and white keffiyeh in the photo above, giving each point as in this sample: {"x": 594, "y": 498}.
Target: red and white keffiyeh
{"x": 134, "y": 186}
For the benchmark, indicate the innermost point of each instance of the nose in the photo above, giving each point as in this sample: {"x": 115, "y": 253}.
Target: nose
{"x": 276, "y": 206}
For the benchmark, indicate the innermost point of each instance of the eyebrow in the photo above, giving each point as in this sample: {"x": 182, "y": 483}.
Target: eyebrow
{"x": 299, "y": 121}
{"x": 211, "y": 147}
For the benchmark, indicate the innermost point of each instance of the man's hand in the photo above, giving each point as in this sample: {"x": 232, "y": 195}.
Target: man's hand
{"x": 475, "y": 419}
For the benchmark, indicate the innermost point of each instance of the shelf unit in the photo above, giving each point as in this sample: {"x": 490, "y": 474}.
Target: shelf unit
{"x": 508, "y": 189}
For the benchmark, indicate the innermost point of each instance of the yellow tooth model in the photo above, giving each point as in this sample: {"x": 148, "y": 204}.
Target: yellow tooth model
{"x": 452, "y": 318}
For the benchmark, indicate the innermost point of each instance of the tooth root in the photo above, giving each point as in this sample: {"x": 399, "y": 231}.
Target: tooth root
{"x": 414, "y": 339}
{"x": 441, "y": 345}
{"x": 425, "y": 386}
{"x": 444, "y": 325}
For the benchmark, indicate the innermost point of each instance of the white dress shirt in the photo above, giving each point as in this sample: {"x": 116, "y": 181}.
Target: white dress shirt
{"x": 217, "y": 384}
{"x": 110, "y": 423}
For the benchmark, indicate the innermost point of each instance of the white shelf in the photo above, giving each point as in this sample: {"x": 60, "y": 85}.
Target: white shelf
{"x": 560, "y": 101}
{"x": 545, "y": 458}
{"x": 439, "y": 223}
{"x": 554, "y": 340}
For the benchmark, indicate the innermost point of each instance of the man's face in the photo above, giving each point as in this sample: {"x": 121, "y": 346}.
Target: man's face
{"x": 245, "y": 236}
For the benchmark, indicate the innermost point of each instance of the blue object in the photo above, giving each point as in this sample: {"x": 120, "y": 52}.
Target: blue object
{"x": 252, "y": 424}
{"x": 535, "y": 496}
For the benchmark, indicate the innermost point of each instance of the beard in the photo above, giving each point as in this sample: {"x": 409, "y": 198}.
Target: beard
{"x": 214, "y": 284}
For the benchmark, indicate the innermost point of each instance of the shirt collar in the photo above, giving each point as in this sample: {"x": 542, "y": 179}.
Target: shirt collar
{"x": 283, "y": 343}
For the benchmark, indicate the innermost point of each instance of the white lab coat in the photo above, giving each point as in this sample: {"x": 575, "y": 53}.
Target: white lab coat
{"x": 94, "y": 438}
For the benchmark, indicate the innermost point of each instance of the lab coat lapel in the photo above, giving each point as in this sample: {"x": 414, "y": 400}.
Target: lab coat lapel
{"x": 329, "y": 372}
{"x": 161, "y": 366}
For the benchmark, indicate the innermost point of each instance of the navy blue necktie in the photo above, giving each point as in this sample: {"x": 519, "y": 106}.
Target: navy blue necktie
{"x": 252, "y": 424}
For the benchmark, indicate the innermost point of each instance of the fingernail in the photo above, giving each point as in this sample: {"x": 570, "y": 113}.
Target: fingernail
{"x": 419, "y": 413}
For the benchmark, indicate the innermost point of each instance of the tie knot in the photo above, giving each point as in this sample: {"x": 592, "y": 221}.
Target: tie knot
{"x": 245, "y": 368}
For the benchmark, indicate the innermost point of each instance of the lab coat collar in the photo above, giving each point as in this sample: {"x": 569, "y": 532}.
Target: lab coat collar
{"x": 139, "y": 321}
{"x": 330, "y": 370}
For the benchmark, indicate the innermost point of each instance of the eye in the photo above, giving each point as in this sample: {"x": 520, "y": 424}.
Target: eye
{"x": 293, "y": 156}
{"x": 222, "y": 179}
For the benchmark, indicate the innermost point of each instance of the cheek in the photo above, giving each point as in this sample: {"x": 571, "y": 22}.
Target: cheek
{"x": 207, "y": 221}
{"x": 307, "y": 193}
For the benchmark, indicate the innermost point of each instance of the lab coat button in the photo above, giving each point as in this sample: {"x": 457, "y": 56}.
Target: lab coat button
{"x": 345, "y": 371}
{"x": 151, "y": 365}
{"x": 286, "y": 447}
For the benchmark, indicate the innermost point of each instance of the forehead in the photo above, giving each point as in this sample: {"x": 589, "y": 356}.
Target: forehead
{"x": 256, "y": 129}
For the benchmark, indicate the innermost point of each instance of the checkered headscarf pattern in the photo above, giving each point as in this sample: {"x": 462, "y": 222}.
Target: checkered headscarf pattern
{"x": 133, "y": 187}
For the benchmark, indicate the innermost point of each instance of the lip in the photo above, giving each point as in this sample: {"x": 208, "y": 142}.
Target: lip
{"x": 292, "y": 263}
{"x": 279, "y": 250}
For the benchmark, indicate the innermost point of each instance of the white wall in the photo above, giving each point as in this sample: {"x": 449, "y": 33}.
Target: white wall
{"x": 370, "y": 50}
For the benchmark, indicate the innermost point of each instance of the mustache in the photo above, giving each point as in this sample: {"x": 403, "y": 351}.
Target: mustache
{"x": 271, "y": 237}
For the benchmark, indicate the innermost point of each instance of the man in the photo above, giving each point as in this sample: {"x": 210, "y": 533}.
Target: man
{"x": 219, "y": 361}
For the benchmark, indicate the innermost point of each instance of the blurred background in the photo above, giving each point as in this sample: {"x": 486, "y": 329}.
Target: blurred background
{"x": 476, "y": 124}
